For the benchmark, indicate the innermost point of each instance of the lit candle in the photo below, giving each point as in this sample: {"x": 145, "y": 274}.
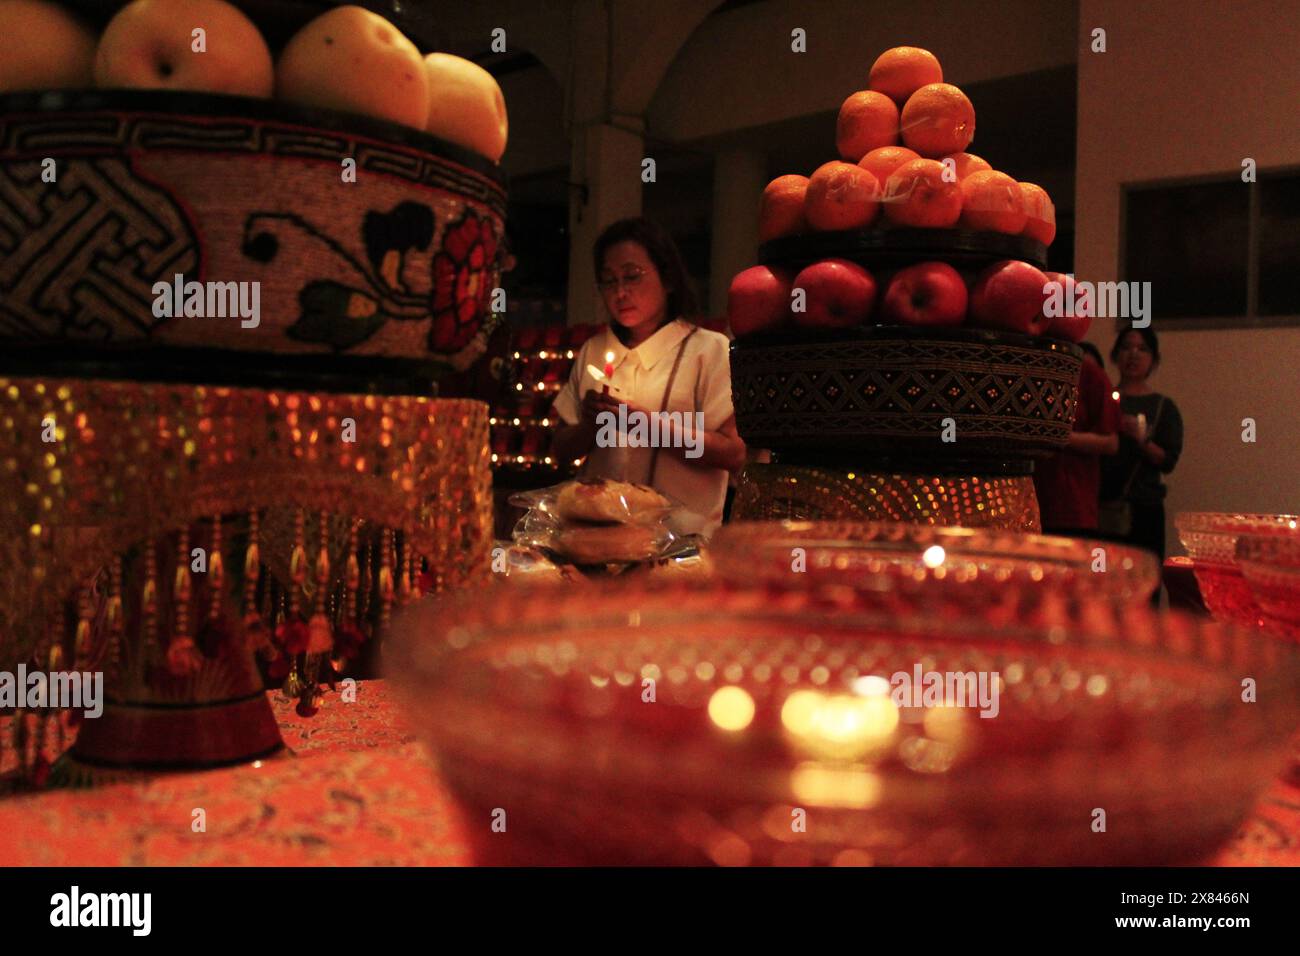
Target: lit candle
{"x": 609, "y": 369}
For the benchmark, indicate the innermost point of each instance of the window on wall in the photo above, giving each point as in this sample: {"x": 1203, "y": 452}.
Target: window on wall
{"x": 1218, "y": 253}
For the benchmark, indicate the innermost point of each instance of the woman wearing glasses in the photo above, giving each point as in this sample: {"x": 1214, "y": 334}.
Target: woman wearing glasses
{"x": 661, "y": 362}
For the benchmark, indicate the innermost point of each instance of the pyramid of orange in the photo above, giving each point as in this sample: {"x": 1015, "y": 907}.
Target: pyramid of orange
{"x": 909, "y": 132}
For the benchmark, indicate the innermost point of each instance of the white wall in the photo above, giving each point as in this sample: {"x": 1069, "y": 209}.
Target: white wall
{"x": 1184, "y": 89}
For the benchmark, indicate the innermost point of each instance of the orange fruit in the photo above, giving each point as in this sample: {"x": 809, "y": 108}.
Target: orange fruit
{"x": 966, "y": 163}
{"x": 900, "y": 72}
{"x": 348, "y": 58}
{"x": 917, "y": 195}
{"x": 841, "y": 196}
{"x": 882, "y": 162}
{"x": 867, "y": 120}
{"x": 937, "y": 120}
{"x": 781, "y": 210}
{"x": 990, "y": 202}
{"x": 1040, "y": 214}
{"x": 466, "y": 105}
{"x": 43, "y": 47}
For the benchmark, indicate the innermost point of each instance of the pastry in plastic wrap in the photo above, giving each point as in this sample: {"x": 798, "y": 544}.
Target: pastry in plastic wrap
{"x": 606, "y": 500}
{"x": 596, "y": 522}
{"x": 609, "y": 543}
{"x": 520, "y": 565}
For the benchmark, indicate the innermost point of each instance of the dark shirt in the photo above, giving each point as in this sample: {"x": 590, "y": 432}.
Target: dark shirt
{"x": 1146, "y": 485}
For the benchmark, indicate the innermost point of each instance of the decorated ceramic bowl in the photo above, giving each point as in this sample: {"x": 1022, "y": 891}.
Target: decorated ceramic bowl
{"x": 907, "y": 396}
{"x": 987, "y": 564}
{"x": 1211, "y": 542}
{"x": 229, "y": 240}
{"x": 695, "y": 724}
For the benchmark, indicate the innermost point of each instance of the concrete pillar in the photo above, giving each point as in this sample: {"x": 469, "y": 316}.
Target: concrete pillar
{"x": 607, "y": 160}
{"x": 738, "y": 179}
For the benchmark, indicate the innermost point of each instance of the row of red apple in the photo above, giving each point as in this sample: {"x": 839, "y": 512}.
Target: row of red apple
{"x": 839, "y": 294}
{"x": 347, "y": 59}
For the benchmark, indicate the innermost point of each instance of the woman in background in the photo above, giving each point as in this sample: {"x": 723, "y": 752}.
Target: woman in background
{"x": 1068, "y": 484}
{"x": 1151, "y": 440}
{"x": 661, "y": 362}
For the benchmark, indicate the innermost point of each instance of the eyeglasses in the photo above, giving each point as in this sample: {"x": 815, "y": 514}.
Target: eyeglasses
{"x": 628, "y": 279}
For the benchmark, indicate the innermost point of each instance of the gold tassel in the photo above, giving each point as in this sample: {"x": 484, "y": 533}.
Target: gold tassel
{"x": 149, "y": 606}
{"x": 114, "y": 622}
{"x": 216, "y": 570}
{"x": 385, "y": 580}
{"x": 81, "y": 641}
{"x": 297, "y": 562}
{"x": 352, "y": 574}
{"x": 183, "y": 658}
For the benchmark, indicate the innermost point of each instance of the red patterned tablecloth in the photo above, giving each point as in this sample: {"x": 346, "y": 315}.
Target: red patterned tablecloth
{"x": 356, "y": 790}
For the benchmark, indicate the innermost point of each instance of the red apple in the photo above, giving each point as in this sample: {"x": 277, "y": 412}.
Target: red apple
{"x": 759, "y": 300}
{"x": 839, "y": 294}
{"x": 1073, "y": 327}
{"x": 928, "y": 293}
{"x": 1009, "y": 295}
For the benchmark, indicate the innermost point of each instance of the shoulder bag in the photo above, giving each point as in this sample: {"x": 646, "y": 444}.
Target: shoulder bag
{"x": 1115, "y": 518}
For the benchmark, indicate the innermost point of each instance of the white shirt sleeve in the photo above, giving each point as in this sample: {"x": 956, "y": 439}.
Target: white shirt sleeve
{"x": 713, "y": 389}
{"x": 568, "y": 401}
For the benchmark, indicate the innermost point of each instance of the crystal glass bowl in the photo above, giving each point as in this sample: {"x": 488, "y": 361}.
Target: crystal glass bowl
{"x": 1270, "y": 564}
{"x": 891, "y": 557}
{"x": 1211, "y": 542}
{"x": 707, "y": 723}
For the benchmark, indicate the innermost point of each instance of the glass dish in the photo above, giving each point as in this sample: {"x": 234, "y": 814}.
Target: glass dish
{"x": 888, "y": 557}
{"x": 1211, "y": 542}
{"x": 710, "y": 723}
{"x": 1270, "y": 565}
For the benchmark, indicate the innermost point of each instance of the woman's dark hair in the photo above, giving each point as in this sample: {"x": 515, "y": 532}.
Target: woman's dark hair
{"x": 661, "y": 249}
{"x": 1148, "y": 336}
{"x": 1093, "y": 351}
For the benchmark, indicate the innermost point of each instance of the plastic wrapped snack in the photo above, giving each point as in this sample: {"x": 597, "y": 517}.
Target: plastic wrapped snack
{"x": 596, "y": 521}
{"x": 610, "y": 543}
{"x": 516, "y": 564}
{"x": 599, "y": 500}
{"x": 605, "y": 500}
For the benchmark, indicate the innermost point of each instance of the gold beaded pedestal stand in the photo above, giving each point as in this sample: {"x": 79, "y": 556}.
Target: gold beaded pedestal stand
{"x": 189, "y": 541}
{"x": 773, "y": 492}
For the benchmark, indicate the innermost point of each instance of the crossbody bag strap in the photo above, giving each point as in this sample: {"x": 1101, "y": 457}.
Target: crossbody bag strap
{"x": 668, "y": 391}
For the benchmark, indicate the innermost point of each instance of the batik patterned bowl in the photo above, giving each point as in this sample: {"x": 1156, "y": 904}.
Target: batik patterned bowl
{"x": 913, "y": 396}
{"x": 1211, "y": 542}
{"x": 706, "y": 723}
{"x": 374, "y": 248}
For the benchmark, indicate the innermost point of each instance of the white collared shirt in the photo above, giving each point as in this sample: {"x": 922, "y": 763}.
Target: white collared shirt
{"x": 703, "y": 384}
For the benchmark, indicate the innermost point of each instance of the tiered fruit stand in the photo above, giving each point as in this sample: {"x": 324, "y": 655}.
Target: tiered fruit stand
{"x": 931, "y": 425}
